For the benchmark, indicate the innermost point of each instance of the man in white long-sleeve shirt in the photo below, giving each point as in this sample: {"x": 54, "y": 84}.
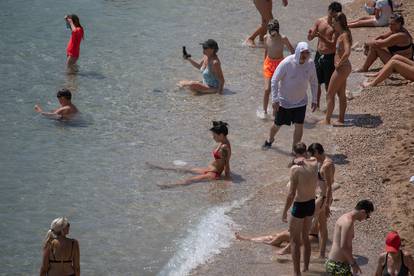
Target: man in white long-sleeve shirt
{"x": 289, "y": 97}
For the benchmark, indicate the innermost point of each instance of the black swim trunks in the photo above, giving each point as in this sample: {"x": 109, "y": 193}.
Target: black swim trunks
{"x": 325, "y": 66}
{"x": 303, "y": 209}
{"x": 286, "y": 116}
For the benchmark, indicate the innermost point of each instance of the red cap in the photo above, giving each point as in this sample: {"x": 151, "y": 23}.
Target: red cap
{"x": 392, "y": 242}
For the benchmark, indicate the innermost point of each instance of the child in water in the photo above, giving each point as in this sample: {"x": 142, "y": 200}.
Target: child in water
{"x": 274, "y": 43}
{"x": 215, "y": 169}
{"x": 210, "y": 67}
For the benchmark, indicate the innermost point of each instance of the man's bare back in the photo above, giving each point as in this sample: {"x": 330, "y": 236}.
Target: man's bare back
{"x": 307, "y": 180}
{"x": 67, "y": 111}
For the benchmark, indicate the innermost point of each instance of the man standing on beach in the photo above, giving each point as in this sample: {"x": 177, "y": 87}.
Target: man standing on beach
{"x": 324, "y": 58}
{"x": 289, "y": 97}
{"x": 340, "y": 260}
{"x": 323, "y": 201}
{"x": 302, "y": 188}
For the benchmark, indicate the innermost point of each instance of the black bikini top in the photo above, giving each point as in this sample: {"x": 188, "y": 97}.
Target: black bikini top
{"x": 67, "y": 261}
{"x": 395, "y": 48}
{"x": 403, "y": 269}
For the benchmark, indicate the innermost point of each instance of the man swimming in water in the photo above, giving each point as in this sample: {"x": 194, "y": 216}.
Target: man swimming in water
{"x": 66, "y": 110}
{"x": 340, "y": 259}
{"x": 303, "y": 181}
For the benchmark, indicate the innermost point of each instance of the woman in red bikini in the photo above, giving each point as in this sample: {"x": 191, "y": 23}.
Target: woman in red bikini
{"x": 73, "y": 48}
{"x": 214, "y": 170}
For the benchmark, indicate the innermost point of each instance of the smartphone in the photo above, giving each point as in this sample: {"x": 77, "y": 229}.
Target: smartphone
{"x": 185, "y": 54}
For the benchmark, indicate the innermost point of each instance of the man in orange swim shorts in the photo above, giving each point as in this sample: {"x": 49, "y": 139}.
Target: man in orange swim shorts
{"x": 274, "y": 43}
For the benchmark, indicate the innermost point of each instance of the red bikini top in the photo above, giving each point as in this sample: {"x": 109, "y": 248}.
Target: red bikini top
{"x": 216, "y": 154}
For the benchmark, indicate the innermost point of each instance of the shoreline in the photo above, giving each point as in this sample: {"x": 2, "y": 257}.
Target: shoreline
{"x": 374, "y": 157}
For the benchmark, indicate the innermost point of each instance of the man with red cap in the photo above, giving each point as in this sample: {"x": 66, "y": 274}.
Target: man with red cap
{"x": 394, "y": 261}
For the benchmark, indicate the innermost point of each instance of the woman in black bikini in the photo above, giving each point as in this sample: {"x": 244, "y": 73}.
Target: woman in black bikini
{"x": 220, "y": 164}
{"x": 397, "y": 41}
{"x": 60, "y": 254}
{"x": 394, "y": 262}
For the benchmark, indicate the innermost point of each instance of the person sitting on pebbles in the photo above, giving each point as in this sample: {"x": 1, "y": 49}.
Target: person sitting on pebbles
{"x": 397, "y": 64}
{"x": 397, "y": 41}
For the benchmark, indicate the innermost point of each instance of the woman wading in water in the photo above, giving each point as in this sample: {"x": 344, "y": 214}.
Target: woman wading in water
{"x": 60, "y": 254}
{"x": 220, "y": 164}
{"x": 73, "y": 48}
{"x": 337, "y": 84}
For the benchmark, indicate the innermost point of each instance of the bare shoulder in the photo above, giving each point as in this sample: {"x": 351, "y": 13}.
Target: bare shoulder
{"x": 408, "y": 258}
{"x": 284, "y": 37}
{"x": 295, "y": 169}
{"x": 225, "y": 146}
{"x": 320, "y": 20}
{"x": 311, "y": 161}
{"x": 74, "y": 241}
{"x": 344, "y": 220}
{"x": 382, "y": 256}
{"x": 327, "y": 164}
{"x": 216, "y": 61}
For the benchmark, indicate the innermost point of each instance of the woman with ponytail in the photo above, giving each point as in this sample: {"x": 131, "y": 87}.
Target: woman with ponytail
{"x": 73, "y": 48}
{"x": 337, "y": 84}
{"x": 60, "y": 254}
{"x": 214, "y": 170}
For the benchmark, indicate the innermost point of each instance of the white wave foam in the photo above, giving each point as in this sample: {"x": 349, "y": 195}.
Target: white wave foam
{"x": 214, "y": 232}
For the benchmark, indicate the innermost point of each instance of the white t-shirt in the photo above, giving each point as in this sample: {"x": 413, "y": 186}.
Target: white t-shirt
{"x": 290, "y": 83}
{"x": 385, "y": 8}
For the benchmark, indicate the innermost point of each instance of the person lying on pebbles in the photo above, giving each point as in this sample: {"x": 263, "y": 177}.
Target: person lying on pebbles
{"x": 397, "y": 64}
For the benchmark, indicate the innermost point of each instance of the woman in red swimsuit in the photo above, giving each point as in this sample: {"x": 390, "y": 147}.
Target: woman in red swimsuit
{"x": 213, "y": 171}
{"x": 73, "y": 48}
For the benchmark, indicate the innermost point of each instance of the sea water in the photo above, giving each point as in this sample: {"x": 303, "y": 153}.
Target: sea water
{"x": 94, "y": 170}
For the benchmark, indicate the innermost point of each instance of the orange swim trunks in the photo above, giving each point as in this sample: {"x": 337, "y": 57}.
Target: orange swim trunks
{"x": 269, "y": 66}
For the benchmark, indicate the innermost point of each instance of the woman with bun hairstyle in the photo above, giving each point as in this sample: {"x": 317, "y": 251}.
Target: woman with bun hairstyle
{"x": 60, "y": 254}
{"x": 220, "y": 164}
